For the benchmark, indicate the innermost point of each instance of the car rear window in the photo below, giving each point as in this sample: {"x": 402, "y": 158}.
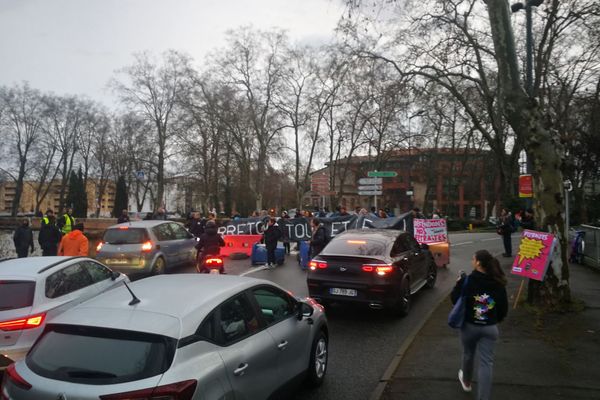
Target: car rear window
{"x": 99, "y": 356}
{"x": 125, "y": 236}
{"x": 16, "y": 294}
{"x": 356, "y": 247}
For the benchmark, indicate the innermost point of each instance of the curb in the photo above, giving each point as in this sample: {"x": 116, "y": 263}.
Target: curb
{"x": 393, "y": 366}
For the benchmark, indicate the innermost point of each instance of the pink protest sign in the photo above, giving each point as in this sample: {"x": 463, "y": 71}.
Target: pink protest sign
{"x": 534, "y": 255}
{"x": 430, "y": 230}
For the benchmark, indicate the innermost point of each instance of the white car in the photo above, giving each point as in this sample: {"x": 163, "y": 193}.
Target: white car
{"x": 183, "y": 336}
{"x": 33, "y": 290}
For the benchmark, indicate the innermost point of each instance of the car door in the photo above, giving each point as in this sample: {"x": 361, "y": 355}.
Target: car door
{"x": 291, "y": 336}
{"x": 166, "y": 240}
{"x": 247, "y": 350}
{"x": 66, "y": 288}
{"x": 101, "y": 276}
{"x": 185, "y": 242}
{"x": 420, "y": 260}
{"x": 403, "y": 257}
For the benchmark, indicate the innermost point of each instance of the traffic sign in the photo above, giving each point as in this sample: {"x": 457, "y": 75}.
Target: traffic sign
{"x": 370, "y": 187}
{"x": 370, "y": 193}
{"x": 382, "y": 174}
{"x": 370, "y": 181}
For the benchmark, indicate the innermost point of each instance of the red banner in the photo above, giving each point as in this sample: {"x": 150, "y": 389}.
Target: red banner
{"x": 525, "y": 186}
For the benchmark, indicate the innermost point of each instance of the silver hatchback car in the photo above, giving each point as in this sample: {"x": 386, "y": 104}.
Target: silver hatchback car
{"x": 146, "y": 247}
{"x": 188, "y": 336}
{"x": 34, "y": 290}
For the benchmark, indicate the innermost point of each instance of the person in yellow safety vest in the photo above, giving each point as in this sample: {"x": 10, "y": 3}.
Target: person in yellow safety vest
{"x": 47, "y": 217}
{"x": 66, "y": 222}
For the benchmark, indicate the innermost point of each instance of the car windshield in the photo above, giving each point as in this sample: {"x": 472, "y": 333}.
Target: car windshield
{"x": 16, "y": 294}
{"x": 356, "y": 246}
{"x": 99, "y": 356}
{"x": 125, "y": 235}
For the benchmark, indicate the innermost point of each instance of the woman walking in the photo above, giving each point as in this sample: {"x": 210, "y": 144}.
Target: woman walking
{"x": 486, "y": 305}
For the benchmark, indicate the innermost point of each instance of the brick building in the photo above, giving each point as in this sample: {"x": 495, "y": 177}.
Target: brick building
{"x": 460, "y": 183}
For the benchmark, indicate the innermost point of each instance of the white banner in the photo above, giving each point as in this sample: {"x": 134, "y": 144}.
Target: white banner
{"x": 431, "y": 230}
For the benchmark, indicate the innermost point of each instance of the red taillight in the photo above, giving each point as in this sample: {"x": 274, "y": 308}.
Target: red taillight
{"x": 33, "y": 321}
{"x": 17, "y": 380}
{"x": 100, "y": 244}
{"x": 175, "y": 391}
{"x": 147, "y": 246}
{"x": 213, "y": 262}
{"x": 379, "y": 269}
{"x": 124, "y": 227}
{"x": 313, "y": 265}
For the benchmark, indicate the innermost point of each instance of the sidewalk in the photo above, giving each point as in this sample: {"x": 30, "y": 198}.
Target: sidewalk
{"x": 549, "y": 357}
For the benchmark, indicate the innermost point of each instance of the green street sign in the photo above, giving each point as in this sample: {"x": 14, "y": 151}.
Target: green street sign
{"x": 382, "y": 174}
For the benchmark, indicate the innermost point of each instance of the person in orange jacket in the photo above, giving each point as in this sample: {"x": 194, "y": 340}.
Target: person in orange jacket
{"x": 74, "y": 243}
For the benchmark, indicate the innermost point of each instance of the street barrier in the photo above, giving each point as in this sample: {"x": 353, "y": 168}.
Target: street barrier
{"x": 441, "y": 253}
{"x": 591, "y": 245}
{"x": 239, "y": 244}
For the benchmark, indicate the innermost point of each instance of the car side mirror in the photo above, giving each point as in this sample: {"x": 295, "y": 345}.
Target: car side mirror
{"x": 304, "y": 310}
{"x": 114, "y": 275}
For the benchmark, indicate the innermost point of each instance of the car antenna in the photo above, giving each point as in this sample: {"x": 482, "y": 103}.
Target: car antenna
{"x": 135, "y": 300}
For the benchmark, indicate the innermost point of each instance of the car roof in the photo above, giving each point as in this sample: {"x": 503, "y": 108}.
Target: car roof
{"x": 30, "y": 266}
{"x": 387, "y": 234}
{"x": 185, "y": 298}
{"x": 141, "y": 224}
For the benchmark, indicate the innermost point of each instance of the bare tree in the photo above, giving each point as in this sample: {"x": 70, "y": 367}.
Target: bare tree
{"x": 152, "y": 90}
{"x": 21, "y": 125}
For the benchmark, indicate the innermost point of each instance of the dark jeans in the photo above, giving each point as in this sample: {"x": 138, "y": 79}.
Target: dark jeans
{"x": 22, "y": 253}
{"x": 507, "y": 244}
{"x": 286, "y": 246}
{"x": 271, "y": 254}
{"x": 51, "y": 251}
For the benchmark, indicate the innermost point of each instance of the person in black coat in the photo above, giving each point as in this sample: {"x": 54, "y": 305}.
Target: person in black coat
{"x": 49, "y": 237}
{"x": 23, "y": 239}
{"x": 486, "y": 305}
{"x": 124, "y": 217}
{"x": 196, "y": 225}
{"x": 272, "y": 234}
{"x": 319, "y": 239}
{"x": 210, "y": 243}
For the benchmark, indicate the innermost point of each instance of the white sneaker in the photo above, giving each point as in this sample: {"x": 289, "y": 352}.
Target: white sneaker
{"x": 465, "y": 387}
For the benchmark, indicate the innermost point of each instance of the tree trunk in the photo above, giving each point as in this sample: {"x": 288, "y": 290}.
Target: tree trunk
{"x": 526, "y": 119}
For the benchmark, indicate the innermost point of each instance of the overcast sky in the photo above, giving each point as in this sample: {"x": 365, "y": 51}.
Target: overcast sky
{"x": 74, "y": 46}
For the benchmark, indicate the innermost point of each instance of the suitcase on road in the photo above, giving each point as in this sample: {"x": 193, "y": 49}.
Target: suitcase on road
{"x": 259, "y": 254}
{"x": 303, "y": 254}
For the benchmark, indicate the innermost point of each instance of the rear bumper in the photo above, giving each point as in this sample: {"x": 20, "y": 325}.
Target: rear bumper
{"x": 375, "y": 296}
{"x": 142, "y": 267}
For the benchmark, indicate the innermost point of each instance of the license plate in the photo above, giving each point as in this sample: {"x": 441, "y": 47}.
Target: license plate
{"x": 117, "y": 261}
{"x": 343, "y": 292}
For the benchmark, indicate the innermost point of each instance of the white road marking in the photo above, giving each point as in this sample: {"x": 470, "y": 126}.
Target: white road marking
{"x": 253, "y": 270}
{"x": 487, "y": 240}
{"x": 460, "y": 244}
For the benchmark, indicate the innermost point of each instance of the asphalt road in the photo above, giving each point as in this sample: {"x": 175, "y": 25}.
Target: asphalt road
{"x": 364, "y": 341}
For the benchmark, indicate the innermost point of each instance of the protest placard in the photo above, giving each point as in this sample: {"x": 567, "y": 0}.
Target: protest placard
{"x": 430, "y": 230}
{"x": 535, "y": 253}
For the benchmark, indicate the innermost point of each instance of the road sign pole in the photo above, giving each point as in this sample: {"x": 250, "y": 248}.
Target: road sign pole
{"x": 375, "y": 202}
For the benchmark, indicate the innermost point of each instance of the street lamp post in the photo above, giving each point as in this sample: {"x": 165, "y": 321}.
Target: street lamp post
{"x": 528, "y": 39}
{"x": 529, "y": 51}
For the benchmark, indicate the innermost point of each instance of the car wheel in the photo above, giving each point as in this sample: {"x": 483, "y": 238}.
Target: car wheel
{"x": 431, "y": 275}
{"x": 402, "y": 306}
{"x": 159, "y": 266}
{"x": 317, "y": 366}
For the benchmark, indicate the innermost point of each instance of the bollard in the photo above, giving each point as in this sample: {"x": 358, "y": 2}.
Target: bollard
{"x": 470, "y": 227}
